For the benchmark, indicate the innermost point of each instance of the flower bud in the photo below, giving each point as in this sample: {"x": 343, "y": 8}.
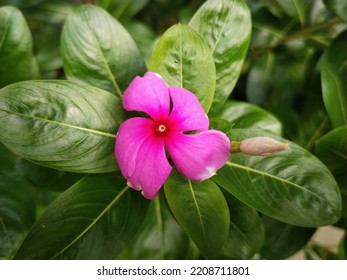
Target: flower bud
{"x": 262, "y": 146}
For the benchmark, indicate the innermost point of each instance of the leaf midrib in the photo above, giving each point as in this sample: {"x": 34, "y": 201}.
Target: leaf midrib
{"x": 89, "y": 130}
{"x": 107, "y": 208}
{"x": 249, "y": 169}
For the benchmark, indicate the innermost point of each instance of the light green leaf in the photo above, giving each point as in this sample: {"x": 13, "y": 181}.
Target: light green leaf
{"x": 332, "y": 150}
{"x": 291, "y": 186}
{"x": 334, "y": 80}
{"x": 94, "y": 219}
{"x": 183, "y": 58}
{"x": 61, "y": 124}
{"x": 246, "y": 115}
{"x": 226, "y": 26}
{"x": 16, "y": 48}
{"x": 194, "y": 206}
{"x": 283, "y": 240}
{"x": 97, "y": 50}
{"x": 246, "y": 233}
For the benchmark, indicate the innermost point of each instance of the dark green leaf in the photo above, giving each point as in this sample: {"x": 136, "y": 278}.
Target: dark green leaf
{"x": 334, "y": 80}
{"x": 183, "y": 58}
{"x": 97, "y": 50}
{"x": 246, "y": 233}
{"x": 291, "y": 186}
{"x": 194, "y": 206}
{"x": 61, "y": 124}
{"x": 332, "y": 150}
{"x": 21, "y": 3}
{"x": 226, "y": 25}
{"x": 17, "y": 208}
{"x": 122, "y": 9}
{"x": 16, "y": 48}
{"x": 246, "y": 115}
{"x": 220, "y": 124}
{"x": 338, "y": 7}
{"x": 296, "y": 8}
{"x": 160, "y": 237}
{"x": 283, "y": 240}
{"x": 94, "y": 219}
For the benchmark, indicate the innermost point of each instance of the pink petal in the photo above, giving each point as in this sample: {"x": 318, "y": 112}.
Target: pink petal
{"x": 141, "y": 156}
{"x": 131, "y": 134}
{"x": 187, "y": 113}
{"x": 148, "y": 94}
{"x": 199, "y": 156}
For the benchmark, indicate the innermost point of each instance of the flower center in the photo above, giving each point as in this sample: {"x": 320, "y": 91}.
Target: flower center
{"x": 161, "y": 128}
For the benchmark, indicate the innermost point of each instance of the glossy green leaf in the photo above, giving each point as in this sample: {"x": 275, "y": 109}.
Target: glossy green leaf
{"x": 220, "y": 124}
{"x": 97, "y": 50}
{"x": 332, "y": 150}
{"x": 226, "y": 26}
{"x": 334, "y": 80}
{"x": 338, "y": 7}
{"x": 94, "y": 219}
{"x": 246, "y": 115}
{"x": 17, "y": 208}
{"x": 160, "y": 237}
{"x": 16, "y": 48}
{"x": 291, "y": 186}
{"x": 283, "y": 240}
{"x": 61, "y": 124}
{"x": 194, "y": 206}
{"x": 183, "y": 58}
{"x": 246, "y": 233}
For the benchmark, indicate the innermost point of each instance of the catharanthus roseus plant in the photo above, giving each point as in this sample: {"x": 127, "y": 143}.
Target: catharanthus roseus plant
{"x": 233, "y": 129}
{"x": 141, "y": 142}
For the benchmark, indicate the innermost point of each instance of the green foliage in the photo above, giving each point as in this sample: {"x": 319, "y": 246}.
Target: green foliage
{"x": 259, "y": 68}
{"x": 184, "y": 59}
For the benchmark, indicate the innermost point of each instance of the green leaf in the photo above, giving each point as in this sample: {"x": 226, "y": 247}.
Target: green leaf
{"x": 17, "y": 208}
{"x": 246, "y": 115}
{"x": 226, "y": 25}
{"x": 334, "y": 80}
{"x": 291, "y": 186}
{"x": 332, "y": 150}
{"x": 94, "y": 219}
{"x": 160, "y": 237}
{"x": 283, "y": 240}
{"x": 194, "y": 206}
{"x": 295, "y": 8}
{"x": 16, "y": 48}
{"x": 183, "y": 58}
{"x": 122, "y": 9}
{"x": 97, "y": 50}
{"x": 338, "y": 7}
{"x": 246, "y": 233}
{"x": 61, "y": 124}
{"x": 220, "y": 124}
{"x": 21, "y": 3}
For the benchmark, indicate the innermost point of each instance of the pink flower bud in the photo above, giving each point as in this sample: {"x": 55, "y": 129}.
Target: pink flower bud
{"x": 262, "y": 146}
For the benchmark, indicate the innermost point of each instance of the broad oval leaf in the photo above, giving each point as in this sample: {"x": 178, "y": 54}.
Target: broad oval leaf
{"x": 16, "y": 48}
{"x": 291, "y": 186}
{"x": 246, "y": 115}
{"x": 94, "y": 219}
{"x": 283, "y": 240}
{"x": 333, "y": 67}
{"x": 338, "y": 7}
{"x": 201, "y": 211}
{"x": 246, "y": 233}
{"x": 183, "y": 58}
{"x": 61, "y": 124}
{"x": 226, "y": 26}
{"x": 160, "y": 236}
{"x": 97, "y": 50}
{"x": 332, "y": 150}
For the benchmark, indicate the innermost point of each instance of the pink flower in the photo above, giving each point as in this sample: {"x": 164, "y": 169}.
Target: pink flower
{"x": 142, "y": 143}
